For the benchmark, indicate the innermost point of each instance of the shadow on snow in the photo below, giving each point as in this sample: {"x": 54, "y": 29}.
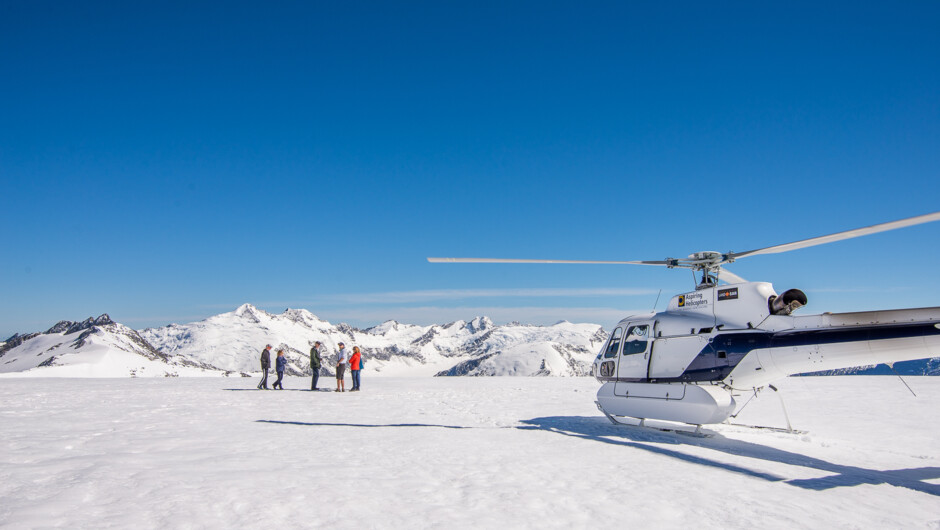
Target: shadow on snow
{"x": 275, "y": 390}
{"x": 599, "y": 429}
{"x": 313, "y": 424}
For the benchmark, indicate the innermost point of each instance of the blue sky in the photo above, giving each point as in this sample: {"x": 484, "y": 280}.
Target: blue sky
{"x": 164, "y": 162}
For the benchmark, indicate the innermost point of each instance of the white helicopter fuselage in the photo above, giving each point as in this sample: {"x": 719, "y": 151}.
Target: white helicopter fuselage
{"x": 686, "y": 363}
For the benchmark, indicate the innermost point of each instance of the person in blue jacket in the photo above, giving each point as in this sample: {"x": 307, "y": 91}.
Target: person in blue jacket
{"x": 281, "y": 364}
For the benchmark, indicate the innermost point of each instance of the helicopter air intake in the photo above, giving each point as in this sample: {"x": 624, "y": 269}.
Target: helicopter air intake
{"x": 788, "y": 302}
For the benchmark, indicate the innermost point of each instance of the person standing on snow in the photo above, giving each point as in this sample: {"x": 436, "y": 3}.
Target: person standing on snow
{"x": 265, "y": 364}
{"x": 354, "y": 367}
{"x": 281, "y": 364}
{"x": 315, "y": 364}
{"x": 341, "y": 368}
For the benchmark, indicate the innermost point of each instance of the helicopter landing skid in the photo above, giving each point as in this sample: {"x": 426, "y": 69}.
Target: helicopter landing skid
{"x": 697, "y": 432}
{"x": 765, "y": 428}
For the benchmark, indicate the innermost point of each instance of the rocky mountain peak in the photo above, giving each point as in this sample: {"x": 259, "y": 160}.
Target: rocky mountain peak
{"x": 301, "y": 316}
{"x": 68, "y": 327}
{"x": 245, "y": 309}
{"x": 250, "y": 312}
{"x": 346, "y": 329}
{"x": 15, "y": 341}
{"x": 59, "y": 327}
{"x": 384, "y": 327}
{"x": 479, "y": 324}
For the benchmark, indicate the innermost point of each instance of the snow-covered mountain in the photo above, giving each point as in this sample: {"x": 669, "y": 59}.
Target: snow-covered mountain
{"x": 96, "y": 347}
{"x": 230, "y": 344}
{"x": 233, "y": 341}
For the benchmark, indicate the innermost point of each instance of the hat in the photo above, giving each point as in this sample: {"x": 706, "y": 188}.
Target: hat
{"x": 341, "y": 344}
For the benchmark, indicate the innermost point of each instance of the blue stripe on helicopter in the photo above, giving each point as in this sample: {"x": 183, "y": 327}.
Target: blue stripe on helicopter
{"x": 709, "y": 365}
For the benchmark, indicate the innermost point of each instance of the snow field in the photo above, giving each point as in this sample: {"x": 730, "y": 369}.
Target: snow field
{"x": 456, "y": 452}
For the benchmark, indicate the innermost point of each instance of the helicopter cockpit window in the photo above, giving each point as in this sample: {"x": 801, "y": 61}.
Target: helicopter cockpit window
{"x": 613, "y": 346}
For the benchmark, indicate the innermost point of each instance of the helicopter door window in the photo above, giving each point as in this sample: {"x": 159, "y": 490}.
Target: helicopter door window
{"x": 614, "y": 345}
{"x": 636, "y": 340}
{"x": 634, "y": 346}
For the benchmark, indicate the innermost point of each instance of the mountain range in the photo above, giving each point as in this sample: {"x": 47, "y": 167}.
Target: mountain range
{"x": 230, "y": 344}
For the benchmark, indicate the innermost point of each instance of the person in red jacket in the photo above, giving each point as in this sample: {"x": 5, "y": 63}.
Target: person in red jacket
{"x": 354, "y": 367}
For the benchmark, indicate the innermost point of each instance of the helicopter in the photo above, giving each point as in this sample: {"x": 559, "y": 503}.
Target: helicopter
{"x": 730, "y": 336}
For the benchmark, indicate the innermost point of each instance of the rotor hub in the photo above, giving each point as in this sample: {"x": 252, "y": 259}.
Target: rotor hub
{"x": 705, "y": 260}
{"x": 707, "y": 256}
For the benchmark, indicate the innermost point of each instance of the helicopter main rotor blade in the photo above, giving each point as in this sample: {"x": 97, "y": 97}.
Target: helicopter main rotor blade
{"x": 496, "y": 260}
{"x": 839, "y": 236}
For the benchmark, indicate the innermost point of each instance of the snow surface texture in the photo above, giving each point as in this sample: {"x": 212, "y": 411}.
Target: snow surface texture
{"x": 456, "y": 453}
{"x": 231, "y": 343}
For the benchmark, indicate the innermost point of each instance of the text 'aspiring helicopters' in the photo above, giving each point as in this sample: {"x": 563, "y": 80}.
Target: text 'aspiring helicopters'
{"x": 686, "y": 364}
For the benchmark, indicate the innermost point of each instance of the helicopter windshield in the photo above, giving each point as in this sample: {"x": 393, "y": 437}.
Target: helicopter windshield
{"x": 614, "y": 345}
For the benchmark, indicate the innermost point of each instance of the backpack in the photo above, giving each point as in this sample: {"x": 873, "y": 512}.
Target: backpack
{"x": 314, "y": 358}
{"x": 362, "y": 361}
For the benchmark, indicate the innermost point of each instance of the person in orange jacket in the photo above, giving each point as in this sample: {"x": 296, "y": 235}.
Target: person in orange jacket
{"x": 354, "y": 366}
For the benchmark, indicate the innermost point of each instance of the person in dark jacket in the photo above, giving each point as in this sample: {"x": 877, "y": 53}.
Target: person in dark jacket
{"x": 281, "y": 364}
{"x": 315, "y": 364}
{"x": 265, "y": 364}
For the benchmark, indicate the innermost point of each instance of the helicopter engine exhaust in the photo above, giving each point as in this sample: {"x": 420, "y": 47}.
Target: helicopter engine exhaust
{"x": 787, "y": 302}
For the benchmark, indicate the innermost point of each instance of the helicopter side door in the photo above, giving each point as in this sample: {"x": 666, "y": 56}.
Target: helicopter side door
{"x": 634, "y": 362}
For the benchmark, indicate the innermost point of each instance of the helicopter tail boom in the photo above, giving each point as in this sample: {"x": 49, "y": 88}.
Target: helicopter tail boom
{"x": 840, "y": 341}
